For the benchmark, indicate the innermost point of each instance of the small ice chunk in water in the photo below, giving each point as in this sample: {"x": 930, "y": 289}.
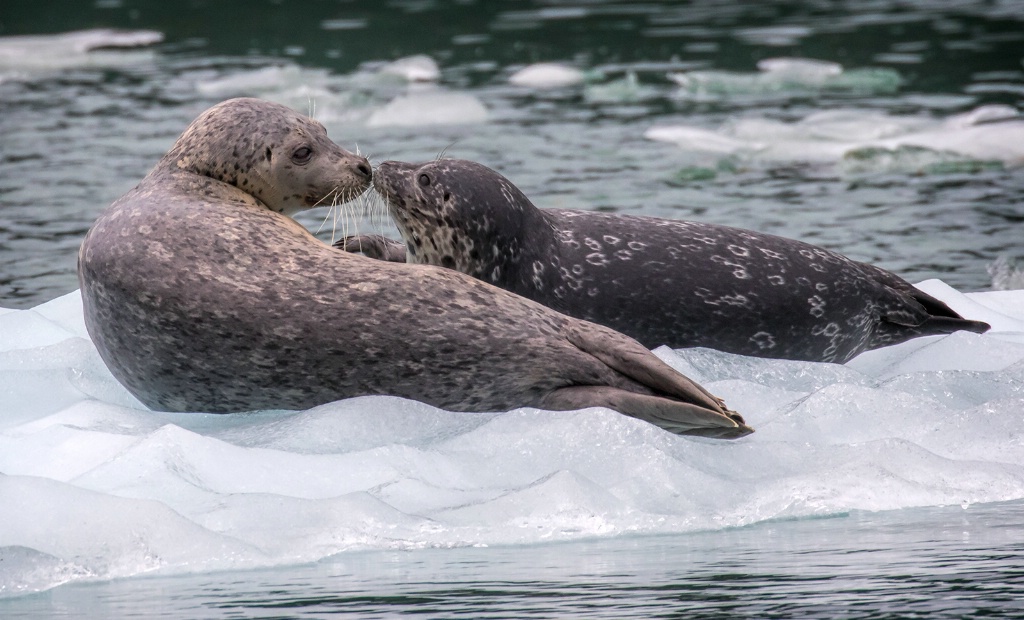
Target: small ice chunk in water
{"x": 626, "y": 89}
{"x": 272, "y": 79}
{"x": 547, "y": 75}
{"x": 697, "y": 139}
{"x": 100, "y": 47}
{"x": 804, "y": 68}
{"x": 430, "y": 108}
{"x": 419, "y": 68}
{"x": 983, "y": 114}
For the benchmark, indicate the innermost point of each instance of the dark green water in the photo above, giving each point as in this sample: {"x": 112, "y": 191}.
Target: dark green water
{"x": 78, "y": 133}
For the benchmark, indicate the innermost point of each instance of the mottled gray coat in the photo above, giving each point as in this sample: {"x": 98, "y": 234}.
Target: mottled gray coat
{"x": 672, "y": 282}
{"x": 201, "y": 295}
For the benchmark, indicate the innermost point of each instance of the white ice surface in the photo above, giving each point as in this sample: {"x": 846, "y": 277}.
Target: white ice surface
{"x": 26, "y": 55}
{"x": 547, "y": 75}
{"x": 419, "y": 68}
{"x": 94, "y": 486}
{"x": 399, "y": 93}
{"x": 430, "y": 106}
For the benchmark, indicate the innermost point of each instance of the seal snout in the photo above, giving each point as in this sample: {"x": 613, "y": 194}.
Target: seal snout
{"x": 361, "y": 169}
{"x": 385, "y": 178}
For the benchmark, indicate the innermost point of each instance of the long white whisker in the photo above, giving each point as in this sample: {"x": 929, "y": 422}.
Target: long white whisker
{"x": 334, "y": 225}
{"x": 444, "y": 151}
{"x": 333, "y": 192}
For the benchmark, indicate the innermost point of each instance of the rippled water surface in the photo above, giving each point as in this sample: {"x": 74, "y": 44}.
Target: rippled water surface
{"x": 890, "y": 131}
{"x": 81, "y": 127}
{"x": 947, "y": 562}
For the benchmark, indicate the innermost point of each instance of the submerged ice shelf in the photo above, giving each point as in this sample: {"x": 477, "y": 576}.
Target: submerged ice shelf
{"x": 94, "y": 486}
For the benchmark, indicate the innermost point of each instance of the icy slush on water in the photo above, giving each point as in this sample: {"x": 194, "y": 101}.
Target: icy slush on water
{"x": 95, "y": 486}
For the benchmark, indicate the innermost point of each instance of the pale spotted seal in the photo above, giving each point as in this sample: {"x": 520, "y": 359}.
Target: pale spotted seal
{"x": 202, "y": 295}
{"x": 660, "y": 281}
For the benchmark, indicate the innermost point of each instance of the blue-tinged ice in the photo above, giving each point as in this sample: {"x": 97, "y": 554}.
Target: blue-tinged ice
{"x": 94, "y": 486}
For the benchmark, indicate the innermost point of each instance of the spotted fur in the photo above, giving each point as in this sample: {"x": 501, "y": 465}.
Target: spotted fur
{"x": 679, "y": 283}
{"x": 201, "y": 295}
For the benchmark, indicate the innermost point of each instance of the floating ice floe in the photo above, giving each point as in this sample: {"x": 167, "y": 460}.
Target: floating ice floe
{"x": 784, "y": 77}
{"x": 866, "y": 140}
{"x": 419, "y": 68}
{"x": 94, "y": 486}
{"x": 319, "y": 93}
{"x": 30, "y": 54}
{"x": 366, "y": 96}
{"x": 263, "y": 80}
{"x": 627, "y": 89}
{"x": 547, "y": 75}
{"x": 430, "y": 107}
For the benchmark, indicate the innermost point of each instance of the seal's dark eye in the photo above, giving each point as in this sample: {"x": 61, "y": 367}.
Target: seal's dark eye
{"x": 424, "y": 180}
{"x": 302, "y": 154}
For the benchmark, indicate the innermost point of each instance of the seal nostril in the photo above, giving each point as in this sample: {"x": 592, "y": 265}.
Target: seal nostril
{"x": 364, "y": 169}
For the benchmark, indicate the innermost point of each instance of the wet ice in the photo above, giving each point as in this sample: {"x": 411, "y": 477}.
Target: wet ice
{"x": 95, "y": 486}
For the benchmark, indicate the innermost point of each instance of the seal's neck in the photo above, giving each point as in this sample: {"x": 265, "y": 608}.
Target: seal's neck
{"x": 201, "y": 168}
{"x": 514, "y": 259}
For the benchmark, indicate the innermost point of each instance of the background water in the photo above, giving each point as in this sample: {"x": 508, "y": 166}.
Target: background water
{"x": 902, "y": 145}
{"x": 78, "y": 128}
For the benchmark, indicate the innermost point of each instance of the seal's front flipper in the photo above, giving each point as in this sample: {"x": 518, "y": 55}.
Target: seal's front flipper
{"x": 674, "y": 416}
{"x": 374, "y": 246}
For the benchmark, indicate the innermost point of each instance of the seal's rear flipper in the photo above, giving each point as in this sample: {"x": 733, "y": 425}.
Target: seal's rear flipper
{"x": 944, "y": 325}
{"x": 630, "y": 358}
{"x": 936, "y": 318}
{"x": 674, "y": 416}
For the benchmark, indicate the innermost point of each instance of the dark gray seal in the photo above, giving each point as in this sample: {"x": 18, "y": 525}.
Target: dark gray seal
{"x": 678, "y": 283}
{"x": 202, "y": 295}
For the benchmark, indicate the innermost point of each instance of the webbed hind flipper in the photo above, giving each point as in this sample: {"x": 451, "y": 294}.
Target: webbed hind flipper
{"x": 672, "y": 415}
{"x": 632, "y": 359}
{"x": 925, "y": 315}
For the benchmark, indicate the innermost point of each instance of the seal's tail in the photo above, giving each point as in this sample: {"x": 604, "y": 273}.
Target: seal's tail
{"x": 675, "y": 403}
{"x": 944, "y": 320}
{"x": 923, "y": 316}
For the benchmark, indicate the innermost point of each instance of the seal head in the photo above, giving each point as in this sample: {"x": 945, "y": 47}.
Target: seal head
{"x": 282, "y": 159}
